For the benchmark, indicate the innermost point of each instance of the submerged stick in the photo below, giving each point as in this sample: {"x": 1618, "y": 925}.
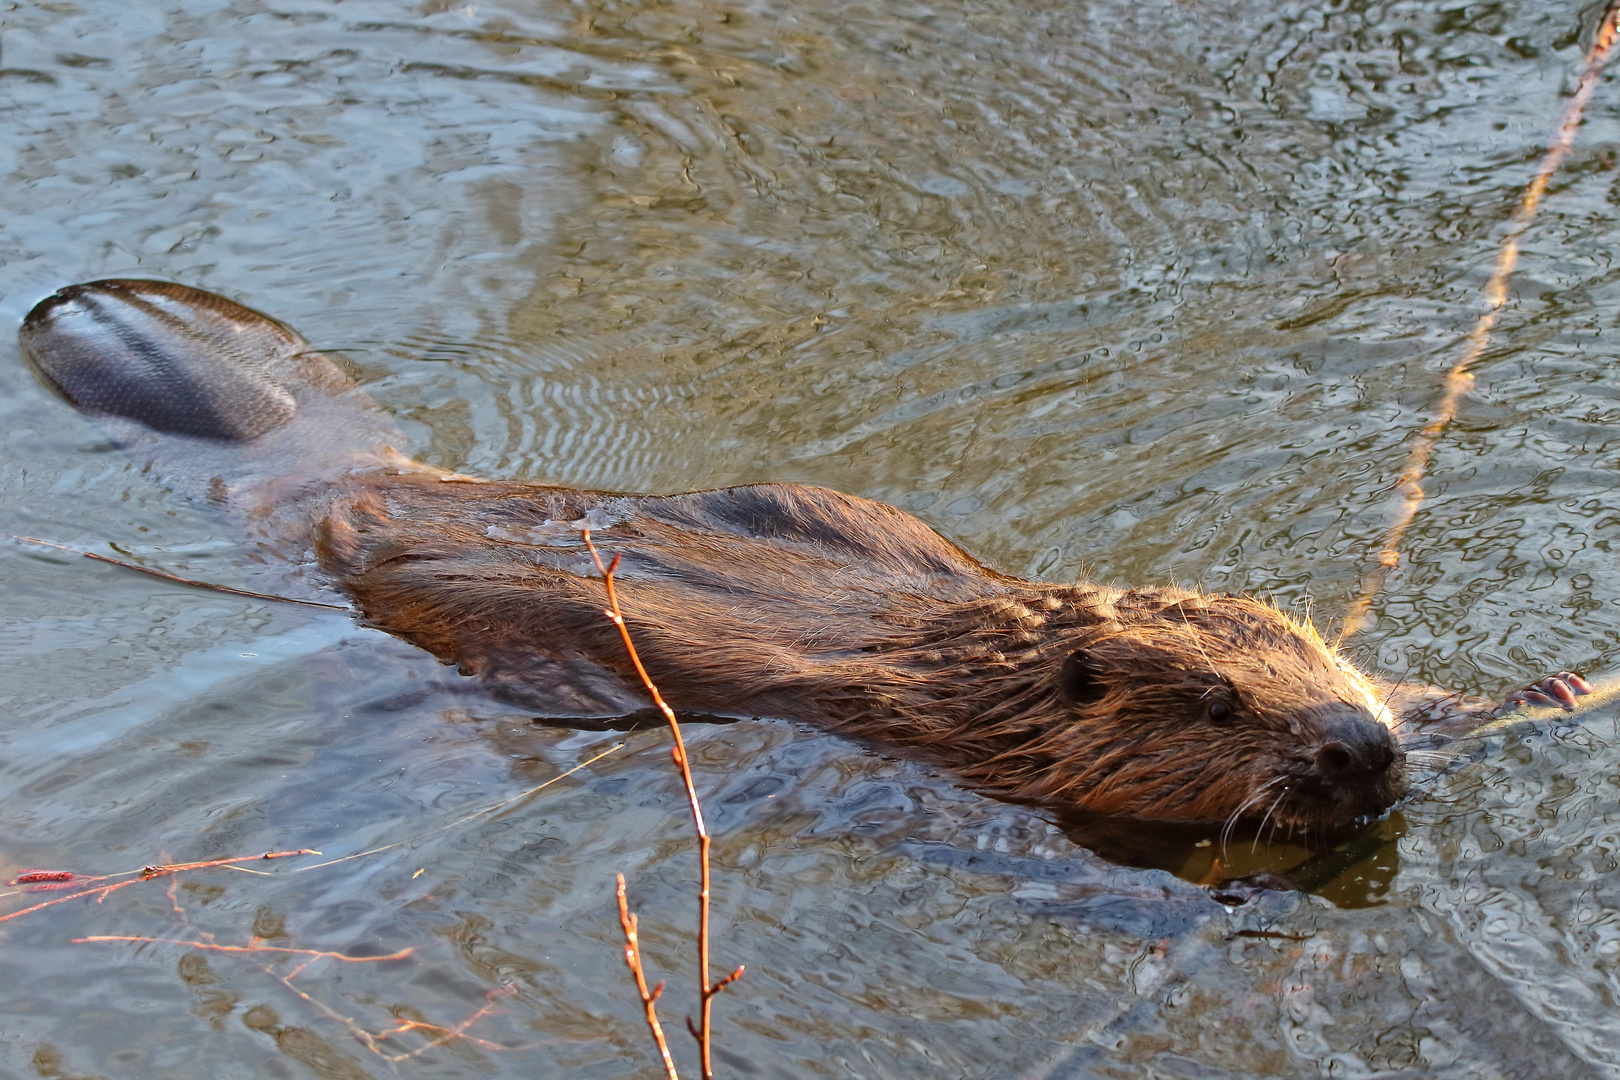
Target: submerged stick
{"x": 319, "y": 954}
{"x": 708, "y": 990}
{"x": 193, "y": 583}
{"x": 1459, "y": 379}
{"x": 476, "y": 813}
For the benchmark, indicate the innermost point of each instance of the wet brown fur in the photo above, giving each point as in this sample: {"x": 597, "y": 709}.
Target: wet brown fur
{"x": 771, "y": 600}
{"x": 798, "y": 602}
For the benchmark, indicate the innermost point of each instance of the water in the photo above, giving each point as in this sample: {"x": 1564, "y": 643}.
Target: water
{"x": 1144, "y": 290}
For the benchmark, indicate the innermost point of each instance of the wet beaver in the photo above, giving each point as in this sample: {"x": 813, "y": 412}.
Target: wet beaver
{"x": 768, "y": 600}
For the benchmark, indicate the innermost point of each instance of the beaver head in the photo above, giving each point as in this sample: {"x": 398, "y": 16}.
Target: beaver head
{"x": 1163, "y": 704}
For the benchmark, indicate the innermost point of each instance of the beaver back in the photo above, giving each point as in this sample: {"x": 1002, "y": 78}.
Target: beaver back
{"x": 803, "y": 603}
{"x": 771, "y": 599}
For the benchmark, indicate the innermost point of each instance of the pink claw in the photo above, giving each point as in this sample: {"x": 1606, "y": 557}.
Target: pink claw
{"x": 1561, "y": 690}
{"x": 1576, "y": 683}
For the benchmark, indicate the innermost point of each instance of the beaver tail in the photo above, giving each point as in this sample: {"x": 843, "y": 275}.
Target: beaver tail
{"x": 201, "y": 389}
{"x": 174, "y": 359}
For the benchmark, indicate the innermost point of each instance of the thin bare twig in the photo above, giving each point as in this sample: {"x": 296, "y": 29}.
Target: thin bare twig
{"x": 1459, "y": 379}
{"x": 147, "y": 873}
{"x": 436, "y": 1034}
{"x": 360, "y": 1034}
{"x": 373, "y": 1042}
{"x": 649, "y": 998}
{"x": 463, "y": 820}
{"x": 316, "y": 953}
{"x": 448, "y": 1034}
{"x": 704, "y": 1032}
{"x": 192, "y": 582}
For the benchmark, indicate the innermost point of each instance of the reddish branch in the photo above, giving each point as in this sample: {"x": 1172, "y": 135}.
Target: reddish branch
{"x": 649, "y": 998}
{"x": 703, "y": 1032}
{"x": 443, "y": 1034}
{"x": 436, "y": 1034}
{"x": 148, "y": 873}
{"x": 373, "y": 1042}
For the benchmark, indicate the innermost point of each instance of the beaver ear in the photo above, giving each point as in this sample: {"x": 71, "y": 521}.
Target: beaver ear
{"x": 1079, "y": 679}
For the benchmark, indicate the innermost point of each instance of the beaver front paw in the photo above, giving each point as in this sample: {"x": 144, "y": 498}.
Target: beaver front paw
{"x": 1561, "y": 690}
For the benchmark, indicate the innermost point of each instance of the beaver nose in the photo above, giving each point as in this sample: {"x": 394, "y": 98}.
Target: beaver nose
{"x": 1354, "y": 748}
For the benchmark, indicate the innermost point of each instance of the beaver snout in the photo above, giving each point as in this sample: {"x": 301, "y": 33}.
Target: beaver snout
{"x": 765, "y": 600}
{"x": 1354, "y": 747}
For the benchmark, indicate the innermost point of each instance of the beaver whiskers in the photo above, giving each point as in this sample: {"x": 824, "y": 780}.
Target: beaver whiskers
{"x": 767, "y": 600}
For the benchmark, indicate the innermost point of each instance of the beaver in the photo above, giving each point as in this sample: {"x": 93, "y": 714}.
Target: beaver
{"x": 768, "y": 600}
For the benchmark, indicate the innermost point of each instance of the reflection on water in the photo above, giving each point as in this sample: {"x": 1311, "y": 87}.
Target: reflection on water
{"x": 1149, "y": 291}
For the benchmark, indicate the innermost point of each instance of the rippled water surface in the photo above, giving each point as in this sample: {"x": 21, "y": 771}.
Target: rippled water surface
{"x": 1144, "y": 290}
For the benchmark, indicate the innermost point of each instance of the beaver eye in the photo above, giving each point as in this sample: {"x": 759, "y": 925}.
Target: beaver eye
{"x": 1219, "y": 712}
